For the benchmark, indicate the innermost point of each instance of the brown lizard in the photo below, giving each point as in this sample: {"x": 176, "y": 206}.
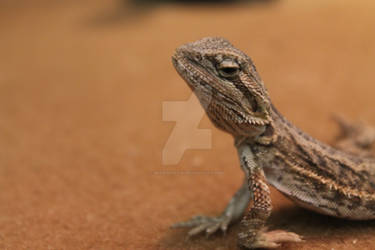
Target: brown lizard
{"x": 337, "y": 181}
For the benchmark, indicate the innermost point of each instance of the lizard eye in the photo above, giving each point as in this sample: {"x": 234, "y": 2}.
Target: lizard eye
{"x": 228, "y": 68}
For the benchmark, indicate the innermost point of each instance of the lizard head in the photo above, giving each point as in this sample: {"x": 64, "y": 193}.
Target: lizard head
{"x": 226, "y": 83}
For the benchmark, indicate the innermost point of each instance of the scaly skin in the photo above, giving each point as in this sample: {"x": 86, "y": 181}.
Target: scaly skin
{"x": 273, "y": 151}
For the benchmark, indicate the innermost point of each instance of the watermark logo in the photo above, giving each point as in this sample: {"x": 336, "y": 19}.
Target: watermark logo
{"x": 186, "y": 134}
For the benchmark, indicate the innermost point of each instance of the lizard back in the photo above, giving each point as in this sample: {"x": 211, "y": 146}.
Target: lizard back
{"x": 337, "y": 184}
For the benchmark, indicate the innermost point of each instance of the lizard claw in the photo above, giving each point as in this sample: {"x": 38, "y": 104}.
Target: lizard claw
{"x": 271, "y": 239}
{"x": 206, "y": 224}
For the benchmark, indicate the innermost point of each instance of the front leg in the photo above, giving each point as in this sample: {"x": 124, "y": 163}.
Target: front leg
{"x": 253, "y": 233}
{"x": 233, "y": 212}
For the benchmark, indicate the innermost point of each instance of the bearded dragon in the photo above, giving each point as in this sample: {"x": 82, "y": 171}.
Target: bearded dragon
{"x": 337, "y": 181}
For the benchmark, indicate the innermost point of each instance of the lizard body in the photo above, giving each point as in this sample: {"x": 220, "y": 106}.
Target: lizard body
{"x": 316, "y": 176}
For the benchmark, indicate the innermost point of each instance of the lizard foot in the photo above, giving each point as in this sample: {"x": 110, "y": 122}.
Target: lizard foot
{"x": 271, "y": 239}
{"x": 357, "y": 138}
{"x": 206, "y": 224}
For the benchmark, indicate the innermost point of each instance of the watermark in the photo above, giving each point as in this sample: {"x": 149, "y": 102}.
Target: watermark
{"x": 186, "y": 134}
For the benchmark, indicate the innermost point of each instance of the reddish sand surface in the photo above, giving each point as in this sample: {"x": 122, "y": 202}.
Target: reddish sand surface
{"x": 81, "y": 132}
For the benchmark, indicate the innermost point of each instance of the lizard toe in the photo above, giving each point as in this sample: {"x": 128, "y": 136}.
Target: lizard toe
{"x": 271, "y": 239}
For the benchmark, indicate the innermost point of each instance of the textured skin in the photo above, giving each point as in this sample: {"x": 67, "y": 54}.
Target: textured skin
{"x": 273, "y": 151}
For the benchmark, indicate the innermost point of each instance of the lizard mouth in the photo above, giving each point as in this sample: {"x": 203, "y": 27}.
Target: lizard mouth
{"x": 190, "y": 71}
{"x": 180, "y": 66}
